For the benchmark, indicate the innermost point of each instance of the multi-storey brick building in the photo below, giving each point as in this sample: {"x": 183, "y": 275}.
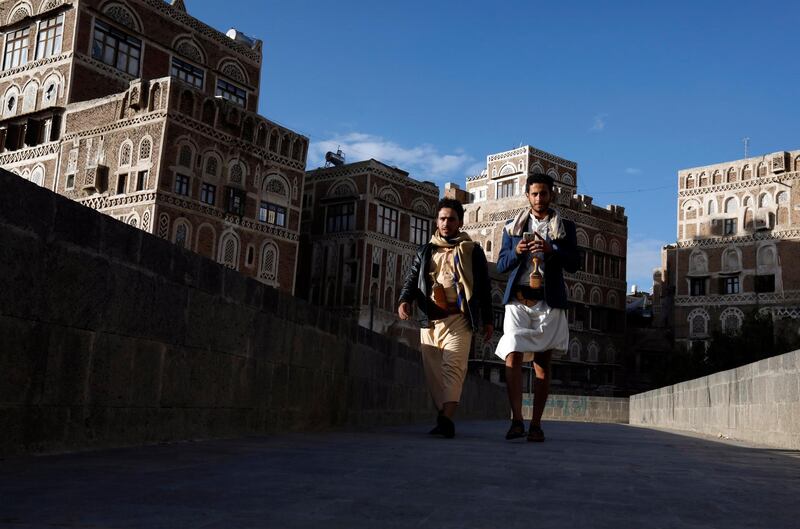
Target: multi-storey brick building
{"x": 596, "y": 291}
{"x": 139, "y": 110}
{"x": 738, "y": 235}
{"x": 362, "y": 224}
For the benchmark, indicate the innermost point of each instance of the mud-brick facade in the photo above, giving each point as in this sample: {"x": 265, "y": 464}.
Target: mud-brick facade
{"x": 594, "y": 360}
{"x": 143, "y": 112}
{"x": 738, "y": 242}
{"x": 362, "y": 224}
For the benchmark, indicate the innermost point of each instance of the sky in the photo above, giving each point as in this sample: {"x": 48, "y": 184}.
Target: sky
{"x": 632, "y": 92}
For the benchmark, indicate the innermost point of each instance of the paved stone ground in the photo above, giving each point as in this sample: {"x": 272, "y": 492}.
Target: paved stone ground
{"x": 584, "y": 476}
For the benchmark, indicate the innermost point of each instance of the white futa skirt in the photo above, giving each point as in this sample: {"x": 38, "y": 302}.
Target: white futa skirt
{"x": 533, "y": 329}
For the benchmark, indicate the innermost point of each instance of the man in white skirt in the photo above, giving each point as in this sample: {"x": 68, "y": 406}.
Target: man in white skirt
{"x": 538, "y": 246}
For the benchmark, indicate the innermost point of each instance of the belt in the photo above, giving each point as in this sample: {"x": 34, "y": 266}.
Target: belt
{"x": 528, "y": 301}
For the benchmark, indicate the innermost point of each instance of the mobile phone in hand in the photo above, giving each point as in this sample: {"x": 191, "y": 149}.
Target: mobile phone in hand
{"x": 528, "y": 236}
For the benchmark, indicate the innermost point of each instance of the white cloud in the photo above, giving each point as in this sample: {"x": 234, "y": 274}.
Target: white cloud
{"x": 633, "y": 170}
{"x": 644, "y": 255}
{"x": 423, "y": 162}
{"x": 599, "y": 123}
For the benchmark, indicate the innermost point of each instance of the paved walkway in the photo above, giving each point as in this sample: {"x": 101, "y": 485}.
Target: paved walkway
{"x": 584, "y": 476}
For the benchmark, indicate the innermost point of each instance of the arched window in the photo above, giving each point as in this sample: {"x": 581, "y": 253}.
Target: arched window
{"x": 297, "y": 150}
{"x": 731, "y": 320}
{"x": 711, "y": 207}
{"x": 489, "y": 246}
{"x": 269, "y": 263}
{"x": 690, "y": 181}
{"x": 185, "y": 156}
{"x": 578, "y": 293}
{"x": 37, "y": 176}
{"x": 125, "y": 153}
{"x": 731, "y": 261}
{"x": 782, "y": 199}
{"x": 229, "y": 251}
{"x": 731, "y": 205}
{"x": 575, "y": 350}
{"x": 155, "y": 97}
{"x": 583, "y": 239}
{"x": 247, "y": 129}
{"x": 698, "y": 323}
{"x": 187, "y": 103}
{"x": 285, "y": 144}
{"x": 732, "y": 175}
{"x": 261, "y": 136}
{"x": 273, "y": 141}
{"x": 209, "y": 112}
{"x": 596, "y": 297}
{"x": 145, "y": 148}
{"x": 236, "y": 173}
{"x": 599, "y": 243}
{"x": 762, "y": 169}
{"x": 593, "y": 352}
{"x": 613, "y": 300}
{"x": 212, "y": 166}
{"x": 181, "y": 234}
{"x": 747, "y": 172}
{"x": 716, "y": 179}
{"x": 765, "y": 200}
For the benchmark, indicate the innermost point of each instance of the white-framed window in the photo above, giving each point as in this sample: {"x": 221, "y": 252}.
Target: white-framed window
{"x": 506, "y": 189}
{"x": 51, "y": 33}
{"x": 387, "y": 220}
{"x": 420, "y": 230}
{"x": 188, "y": 73}
{"x": 16, "y": 52}
{"x": 272, "y": 214}
{"x": 231, "y": 92}
{"x": 116, "y": 48}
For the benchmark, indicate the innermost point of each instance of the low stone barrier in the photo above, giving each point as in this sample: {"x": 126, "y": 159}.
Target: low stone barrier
{"x": 579, "y": 408}
{"x": 110, "y": 336}
{"x": 758, "y": 403}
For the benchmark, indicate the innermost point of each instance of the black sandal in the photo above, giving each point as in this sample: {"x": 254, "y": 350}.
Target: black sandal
{"x": 516, "y": 431}
{"x": 535, "y": 434}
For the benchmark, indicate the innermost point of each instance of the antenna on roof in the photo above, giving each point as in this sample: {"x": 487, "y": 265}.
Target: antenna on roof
{"x": 746, "y": 142}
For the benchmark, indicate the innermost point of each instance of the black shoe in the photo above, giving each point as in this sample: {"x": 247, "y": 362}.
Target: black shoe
{"x": 446, "y": 427}
{"x": 516, "y": 431}
{"x": 436, "y": 431}
{"x": 535, "y": 434}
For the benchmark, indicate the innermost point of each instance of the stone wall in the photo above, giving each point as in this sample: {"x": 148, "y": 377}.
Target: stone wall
{"x": 581, "y": 408}
{"x": 110, "y": 336}
{"x": 758, "y": 403}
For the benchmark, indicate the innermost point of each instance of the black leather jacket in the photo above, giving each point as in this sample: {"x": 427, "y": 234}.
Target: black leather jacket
{"x": 416, "y": 287}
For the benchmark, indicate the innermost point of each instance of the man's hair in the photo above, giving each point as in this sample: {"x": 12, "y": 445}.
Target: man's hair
{"x": 539, "y": 178}
{"x": 453, "y": 204}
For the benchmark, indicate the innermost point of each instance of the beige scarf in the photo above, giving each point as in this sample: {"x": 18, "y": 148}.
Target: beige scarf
{"x": 520, "y": 223}
{"x": 462, "y": 263}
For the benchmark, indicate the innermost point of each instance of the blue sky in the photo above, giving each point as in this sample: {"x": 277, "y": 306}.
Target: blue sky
{"x": 631, "y": 91}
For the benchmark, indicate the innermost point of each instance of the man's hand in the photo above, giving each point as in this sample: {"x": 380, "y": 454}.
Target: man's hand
{"x": 541, "y": 246}
{"x": 404, "y": 310}
{"x": 488, "y": 331}
{"x": 523, "y": 246}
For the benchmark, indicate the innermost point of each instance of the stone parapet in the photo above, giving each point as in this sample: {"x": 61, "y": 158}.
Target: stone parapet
{"x": 758, "y": 403}
{"x": 110, "y": 336}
